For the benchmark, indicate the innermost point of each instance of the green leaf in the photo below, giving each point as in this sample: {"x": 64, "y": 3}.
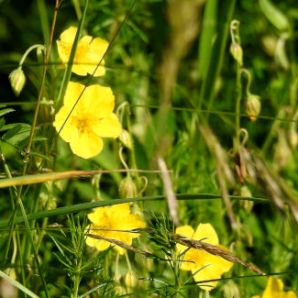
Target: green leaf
{"x": 17, "y": 134}
{"x": 6, "y": 111}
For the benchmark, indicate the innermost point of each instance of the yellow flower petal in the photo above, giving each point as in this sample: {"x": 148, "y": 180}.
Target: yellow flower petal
{"x": 69, "y": 34}
{"x": 186, "y": 231}
{"x": 274, "y": 286}
{"x": 187, "y": 261}
{"x": 98, "y": 100}
{"x": 100, "y": 245}
{"x": 206, "y": 233}
{"x": 209, "y": 267}
{"x": 108, "y": 127}
{"x": 274, "y": 289}
{"x": 114, "y": 222}
{"x": 89, "y": 53}
{"x": 69, "y": 131}
{"x": 86, "y": 145}
{"x": 290, "y": 294}
{"x": 100, "y": 213}
{"x": 202, "y": 264}
{"x": 97, "y": 50}
{"x": 72, "y": 93}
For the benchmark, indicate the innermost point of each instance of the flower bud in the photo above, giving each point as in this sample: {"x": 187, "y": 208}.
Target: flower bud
{"x": 17, "y": 80}
{"x": 283, "y": 153}
{"x": 230, "y": 289}
{"x": 253, "y": 106}
{"x": 245, "y": 193}
{"x": 130, "y": 279}
{"x": 293, "y": 138}
{"x": 127, "y": 188}
{"x": 237, "y": 53}
{"x": 40, "y": 50}
{"x": 126, "y": 139}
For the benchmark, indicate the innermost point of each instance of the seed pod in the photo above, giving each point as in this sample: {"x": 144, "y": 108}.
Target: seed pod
{"x": 17, "y": 80}
{"x": 253, "y": 106}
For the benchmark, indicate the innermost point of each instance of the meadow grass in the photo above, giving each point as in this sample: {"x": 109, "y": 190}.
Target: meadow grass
{"x": 123, "y": 164}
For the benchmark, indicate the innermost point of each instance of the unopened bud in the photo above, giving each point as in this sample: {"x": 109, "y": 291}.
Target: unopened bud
{"x": 230, "y": 289}
{"x": 126, "y": 139}
{"x": 130, "y": 279}
{"x": 253, "y": 106}
{"x": 127, "y": 188}
{"x": 282, "y": 152}
{"x": 17, "y": 80}
{"x": 40, "y": 50}
{"x": 237, "y": 53}
{"x": 52, "y": 203}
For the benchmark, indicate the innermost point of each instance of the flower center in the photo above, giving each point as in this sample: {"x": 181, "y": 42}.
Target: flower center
{"x": 82, "y": 123}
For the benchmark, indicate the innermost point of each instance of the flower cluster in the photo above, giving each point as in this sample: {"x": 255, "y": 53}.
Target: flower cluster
{"x": 113, "y": 222}
{"x": 203, "y": 265}
{"x": 87, "y": 112}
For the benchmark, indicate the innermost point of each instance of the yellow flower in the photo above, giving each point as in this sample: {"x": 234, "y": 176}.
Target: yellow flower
{"x": 274, "y": 289}
{"x": 203, "y": 265}
{"x": 89, "y": 52}
{"x": 113, "y": 222}
{"x": 91, "y": 120}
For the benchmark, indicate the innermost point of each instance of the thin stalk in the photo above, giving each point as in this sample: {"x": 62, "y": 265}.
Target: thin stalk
{"x": 238, "y": 106}
{"x": 77, "y": 279}
{"x": 36, "y": 46}
{"x": 41, "y": 90}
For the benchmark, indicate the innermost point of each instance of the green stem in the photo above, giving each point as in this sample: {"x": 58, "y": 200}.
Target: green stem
{"x": 28, "y": 52}
{"x": 238, "y": 106}
{"x": 41, "y": 90}
{"x": 77, "y": 280}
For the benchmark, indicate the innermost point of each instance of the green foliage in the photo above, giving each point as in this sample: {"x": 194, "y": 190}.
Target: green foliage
{"x": 174, "y": 78}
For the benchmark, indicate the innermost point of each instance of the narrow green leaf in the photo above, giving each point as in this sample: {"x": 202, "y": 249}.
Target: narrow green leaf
{"x": 6, "y": 111}
{"x": 87, "y": 206}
